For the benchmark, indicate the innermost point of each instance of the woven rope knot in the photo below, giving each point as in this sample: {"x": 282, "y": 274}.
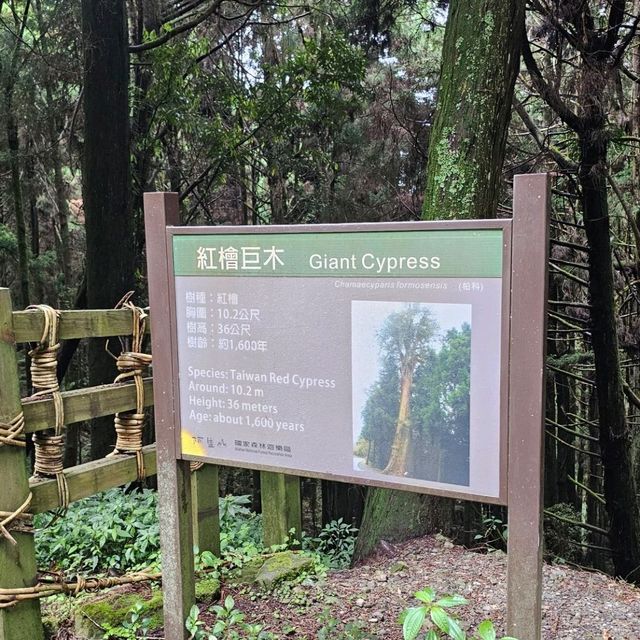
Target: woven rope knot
{"x": 18, "y": 520}
{"x": 44, "y": 356}
{"x": 132, "y": 363}
{"x": 12, "y": 433}
{"x": 49, "y": 454}
{"x": 44, "y": 364}
{"x": 49, "y": 448}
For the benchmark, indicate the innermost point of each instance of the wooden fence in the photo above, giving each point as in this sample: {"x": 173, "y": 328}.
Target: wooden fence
{"x": 22, "y": 497}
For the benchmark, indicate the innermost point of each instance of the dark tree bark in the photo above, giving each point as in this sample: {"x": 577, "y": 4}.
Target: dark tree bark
{"x": 479, "y": 67}
{"x": 9, "y": 71}
{"x": 106, "y": 189}
{"x": 616, "y": 443}
{"x": 341, "y": 500}
{"x": 141, "y": 143}
{"x": 61, "y": 206}
{"x": 597, "y": 65}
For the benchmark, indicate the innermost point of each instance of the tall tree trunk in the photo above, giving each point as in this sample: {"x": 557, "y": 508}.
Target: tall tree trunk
{"x": 480, "y": 62}
{"x": 105, "y": 189}
{"x": 598, "y": 60}
{"x": 620, "y": 487}
{"x": 61, "y": 224}
{"x": 13, "y": 143}
{"x": 397, "y": 464}
{"x": 63, "y": 249}
{"x": 466, "y": 152}
{"x": 141, "y": 143}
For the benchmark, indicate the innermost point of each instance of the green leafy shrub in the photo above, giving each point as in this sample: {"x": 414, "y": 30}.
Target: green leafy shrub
{"x": 240, "y": 528}
{"x": 334, "y": 544}
{"x": 229, "y": 624}
{"x": 333, "y": 629}
{"x": 116, "y": 530}
{"x": 495, "y": 533}
{"x": 433, "y": 616}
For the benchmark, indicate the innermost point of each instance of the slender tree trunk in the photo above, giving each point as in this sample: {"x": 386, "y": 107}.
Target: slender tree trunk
{"x": 13, "y": 144}
{"x": 61, "y": 233}
{"x": 142, "y": 119}
{"x": 105, "y": 191}
{"x": 620, "y": 486}
{"x": 62, "y": 238}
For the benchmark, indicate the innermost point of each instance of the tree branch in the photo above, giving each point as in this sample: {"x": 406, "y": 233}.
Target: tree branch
{"x": 547, "y": 93}
{"x": 561, "y": 160}
{"x": 169, "y": 35}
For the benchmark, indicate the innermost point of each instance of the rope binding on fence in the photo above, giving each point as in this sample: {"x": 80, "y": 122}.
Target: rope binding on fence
{"x": 132, "y": 363}
{"x": 18, "y": 520}
{"x": 55, "y": 585}
{"x": 12, "y": 433}
{"x": 49, "y": 448}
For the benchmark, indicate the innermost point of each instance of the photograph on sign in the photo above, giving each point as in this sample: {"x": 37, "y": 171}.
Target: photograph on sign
{"x": 369, "y": 356}
{"x": 410, "y": 377}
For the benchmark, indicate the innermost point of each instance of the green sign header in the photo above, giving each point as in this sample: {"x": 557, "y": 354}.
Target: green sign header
{"x": 460, "y": 253}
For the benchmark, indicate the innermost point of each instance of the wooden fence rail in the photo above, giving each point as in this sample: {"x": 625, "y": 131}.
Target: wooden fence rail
{"x": 84, "y": 404}
{"x": 85, "y": 480}
{"x": 17, "y": 561}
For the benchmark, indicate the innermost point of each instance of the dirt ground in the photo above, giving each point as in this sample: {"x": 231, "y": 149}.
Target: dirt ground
{"x": 577, "y": 604}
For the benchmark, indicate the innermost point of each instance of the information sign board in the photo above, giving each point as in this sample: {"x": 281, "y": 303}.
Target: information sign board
{"x": 373, "y": 354}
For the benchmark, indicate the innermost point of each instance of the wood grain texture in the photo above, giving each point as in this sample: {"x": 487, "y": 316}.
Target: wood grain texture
{"x": 17, "y": 562}
{"x": 89, "y": 323}
{"x": 86, "y": 479}
{"x": 84, "y": 404}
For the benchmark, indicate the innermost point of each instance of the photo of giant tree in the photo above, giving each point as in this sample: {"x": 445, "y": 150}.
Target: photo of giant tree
{"x": 414, "y": 416}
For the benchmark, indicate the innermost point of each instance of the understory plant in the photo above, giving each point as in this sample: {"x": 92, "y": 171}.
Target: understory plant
{"x": 434, "y": 619}
{"x": 136, "y": 627}
{"x": 335, "y": 544}
{"x": 229, "y": 624}
{"x": 113, "y": 530}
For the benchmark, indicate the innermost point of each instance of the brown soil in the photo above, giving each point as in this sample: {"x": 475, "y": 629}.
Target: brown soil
{"x": 577, "y": 604}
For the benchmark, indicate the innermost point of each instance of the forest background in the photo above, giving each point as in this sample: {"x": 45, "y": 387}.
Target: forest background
{"x": 259, "y": 112}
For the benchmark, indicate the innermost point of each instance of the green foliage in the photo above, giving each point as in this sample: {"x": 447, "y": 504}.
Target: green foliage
{"x": 334, "y": 544}
{"x": 8, "y": 241}
{"x": 116, "y": 529}
{"x": 495, "y": 533}
{"x": 136, "y": 627}
{"x": 433, "y": 616}
{"x": 240, "y": 528}
{"x": 229, "y": 624}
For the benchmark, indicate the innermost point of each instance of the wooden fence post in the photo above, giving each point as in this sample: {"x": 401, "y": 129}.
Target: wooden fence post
{"x": 281, "y": 506}
{"x": 17, "y": 562}
{"x": 206, "y": 511}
